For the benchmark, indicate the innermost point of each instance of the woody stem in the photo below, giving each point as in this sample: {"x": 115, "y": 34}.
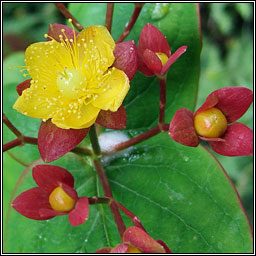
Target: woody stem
{"x": 135, "y": 220}
{"x": 68, "y": 15}
{"x": 108, "y": 193}
{"x": 99, "y": 200}
{"x": 146, "y": 135}
{"x": 162, "y": 99}
{"x": 104, "y": 181}
{"x": 109, "y": 16}
{"x": 135, "y": 15}
{"x": 11, "y": 126}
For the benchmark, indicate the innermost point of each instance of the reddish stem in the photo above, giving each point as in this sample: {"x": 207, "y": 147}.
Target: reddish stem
{"x": 127, "y": 30}
{"x": 99, "y": 200}
{"x": 68, "y": 15}
{"x": 30, "y": 140}
{"x": 108, "y": 193}
{"x": 162, "y": 100}
{"x": 135, "y": 220}
{"x": 12, "y": 144}
{"x": 11, "y": 126}
{"x": 150, "y": 133}
{"x": 109, "y": 16}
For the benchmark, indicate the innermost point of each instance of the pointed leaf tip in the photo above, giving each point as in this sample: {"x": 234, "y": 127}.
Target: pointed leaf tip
{"x": 54, "y": 142}
{"x": 182, "y": 129}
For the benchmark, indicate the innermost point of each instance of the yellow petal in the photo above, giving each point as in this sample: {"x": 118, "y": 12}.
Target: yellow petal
{"x": 35, "y": 103}
{"x": 117, "y": 86}
{"x": 96, "y": 47}
{"x": 84, "y": 119}
{"x": 45, "y": 59}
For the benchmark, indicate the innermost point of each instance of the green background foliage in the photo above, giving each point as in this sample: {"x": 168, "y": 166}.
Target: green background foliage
{"x": 193, "y": 209}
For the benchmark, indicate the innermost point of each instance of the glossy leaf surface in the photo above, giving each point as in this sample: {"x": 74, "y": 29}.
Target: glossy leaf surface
{"x": 194, "y": 207}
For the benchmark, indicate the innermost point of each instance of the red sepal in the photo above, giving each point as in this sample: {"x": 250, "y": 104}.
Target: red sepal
{"x": 142, "y": 66}
{"x": 70, "y": 191}
{"x": 238, "y": 141}
{"x": 31, "y": 201}
{"x": 152, "y": 61}
{"x": 113, "y": 120}
{"x": 126, "y": 58}
{"x": 45, "y": 213}
{"x": 151, "y": 38}
{"x": 142, "y": 240}
{"x": 182, "y": 129}
{"x": 173, "y": 58}
{"x": 104, "y": 250}
{"x": 55, "y": 30}
{"x": 167, "y": 250}
{"x": 120, "y": 248}
{"x": 54, "y": 142}
{"x": 48, "y": 177}
{"x": 211, "y": 139}
{"x": 22, "y": 86}
{"x": 232, "y": 101}
{"x": 80, "y": 213}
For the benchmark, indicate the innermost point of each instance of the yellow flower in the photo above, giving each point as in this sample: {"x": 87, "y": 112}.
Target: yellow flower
{"x": 72, "y": 80}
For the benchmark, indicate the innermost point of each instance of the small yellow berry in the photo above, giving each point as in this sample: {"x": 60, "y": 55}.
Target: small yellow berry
{"x": 210, "y": 123}
{"x": 162, "y": 56}
{"x": 60, "y": 201}
{"x": 132, "y": 249}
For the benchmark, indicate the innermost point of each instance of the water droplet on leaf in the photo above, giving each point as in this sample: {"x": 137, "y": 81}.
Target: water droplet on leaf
{"x": 160, "y": 10}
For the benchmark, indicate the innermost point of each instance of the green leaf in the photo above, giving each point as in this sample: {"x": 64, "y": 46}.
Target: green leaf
{"x": 179, "y": 23}
{"x": 12, "y": 170}
{"x": 182, "y": 197}
{"x": 13, "y": 75}
{"x": 28, "y": 126}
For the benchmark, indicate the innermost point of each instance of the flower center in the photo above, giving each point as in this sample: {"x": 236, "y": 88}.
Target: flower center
{"x": 132, "y": 249}
{"x": 210, "y": 123}
{"x": 60, "y": 201}
{"x": 162, "y": 56}
{"x": 70, "y": 82}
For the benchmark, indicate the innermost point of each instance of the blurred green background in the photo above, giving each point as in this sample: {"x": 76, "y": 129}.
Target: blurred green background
{"x": 226, "y": 60}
